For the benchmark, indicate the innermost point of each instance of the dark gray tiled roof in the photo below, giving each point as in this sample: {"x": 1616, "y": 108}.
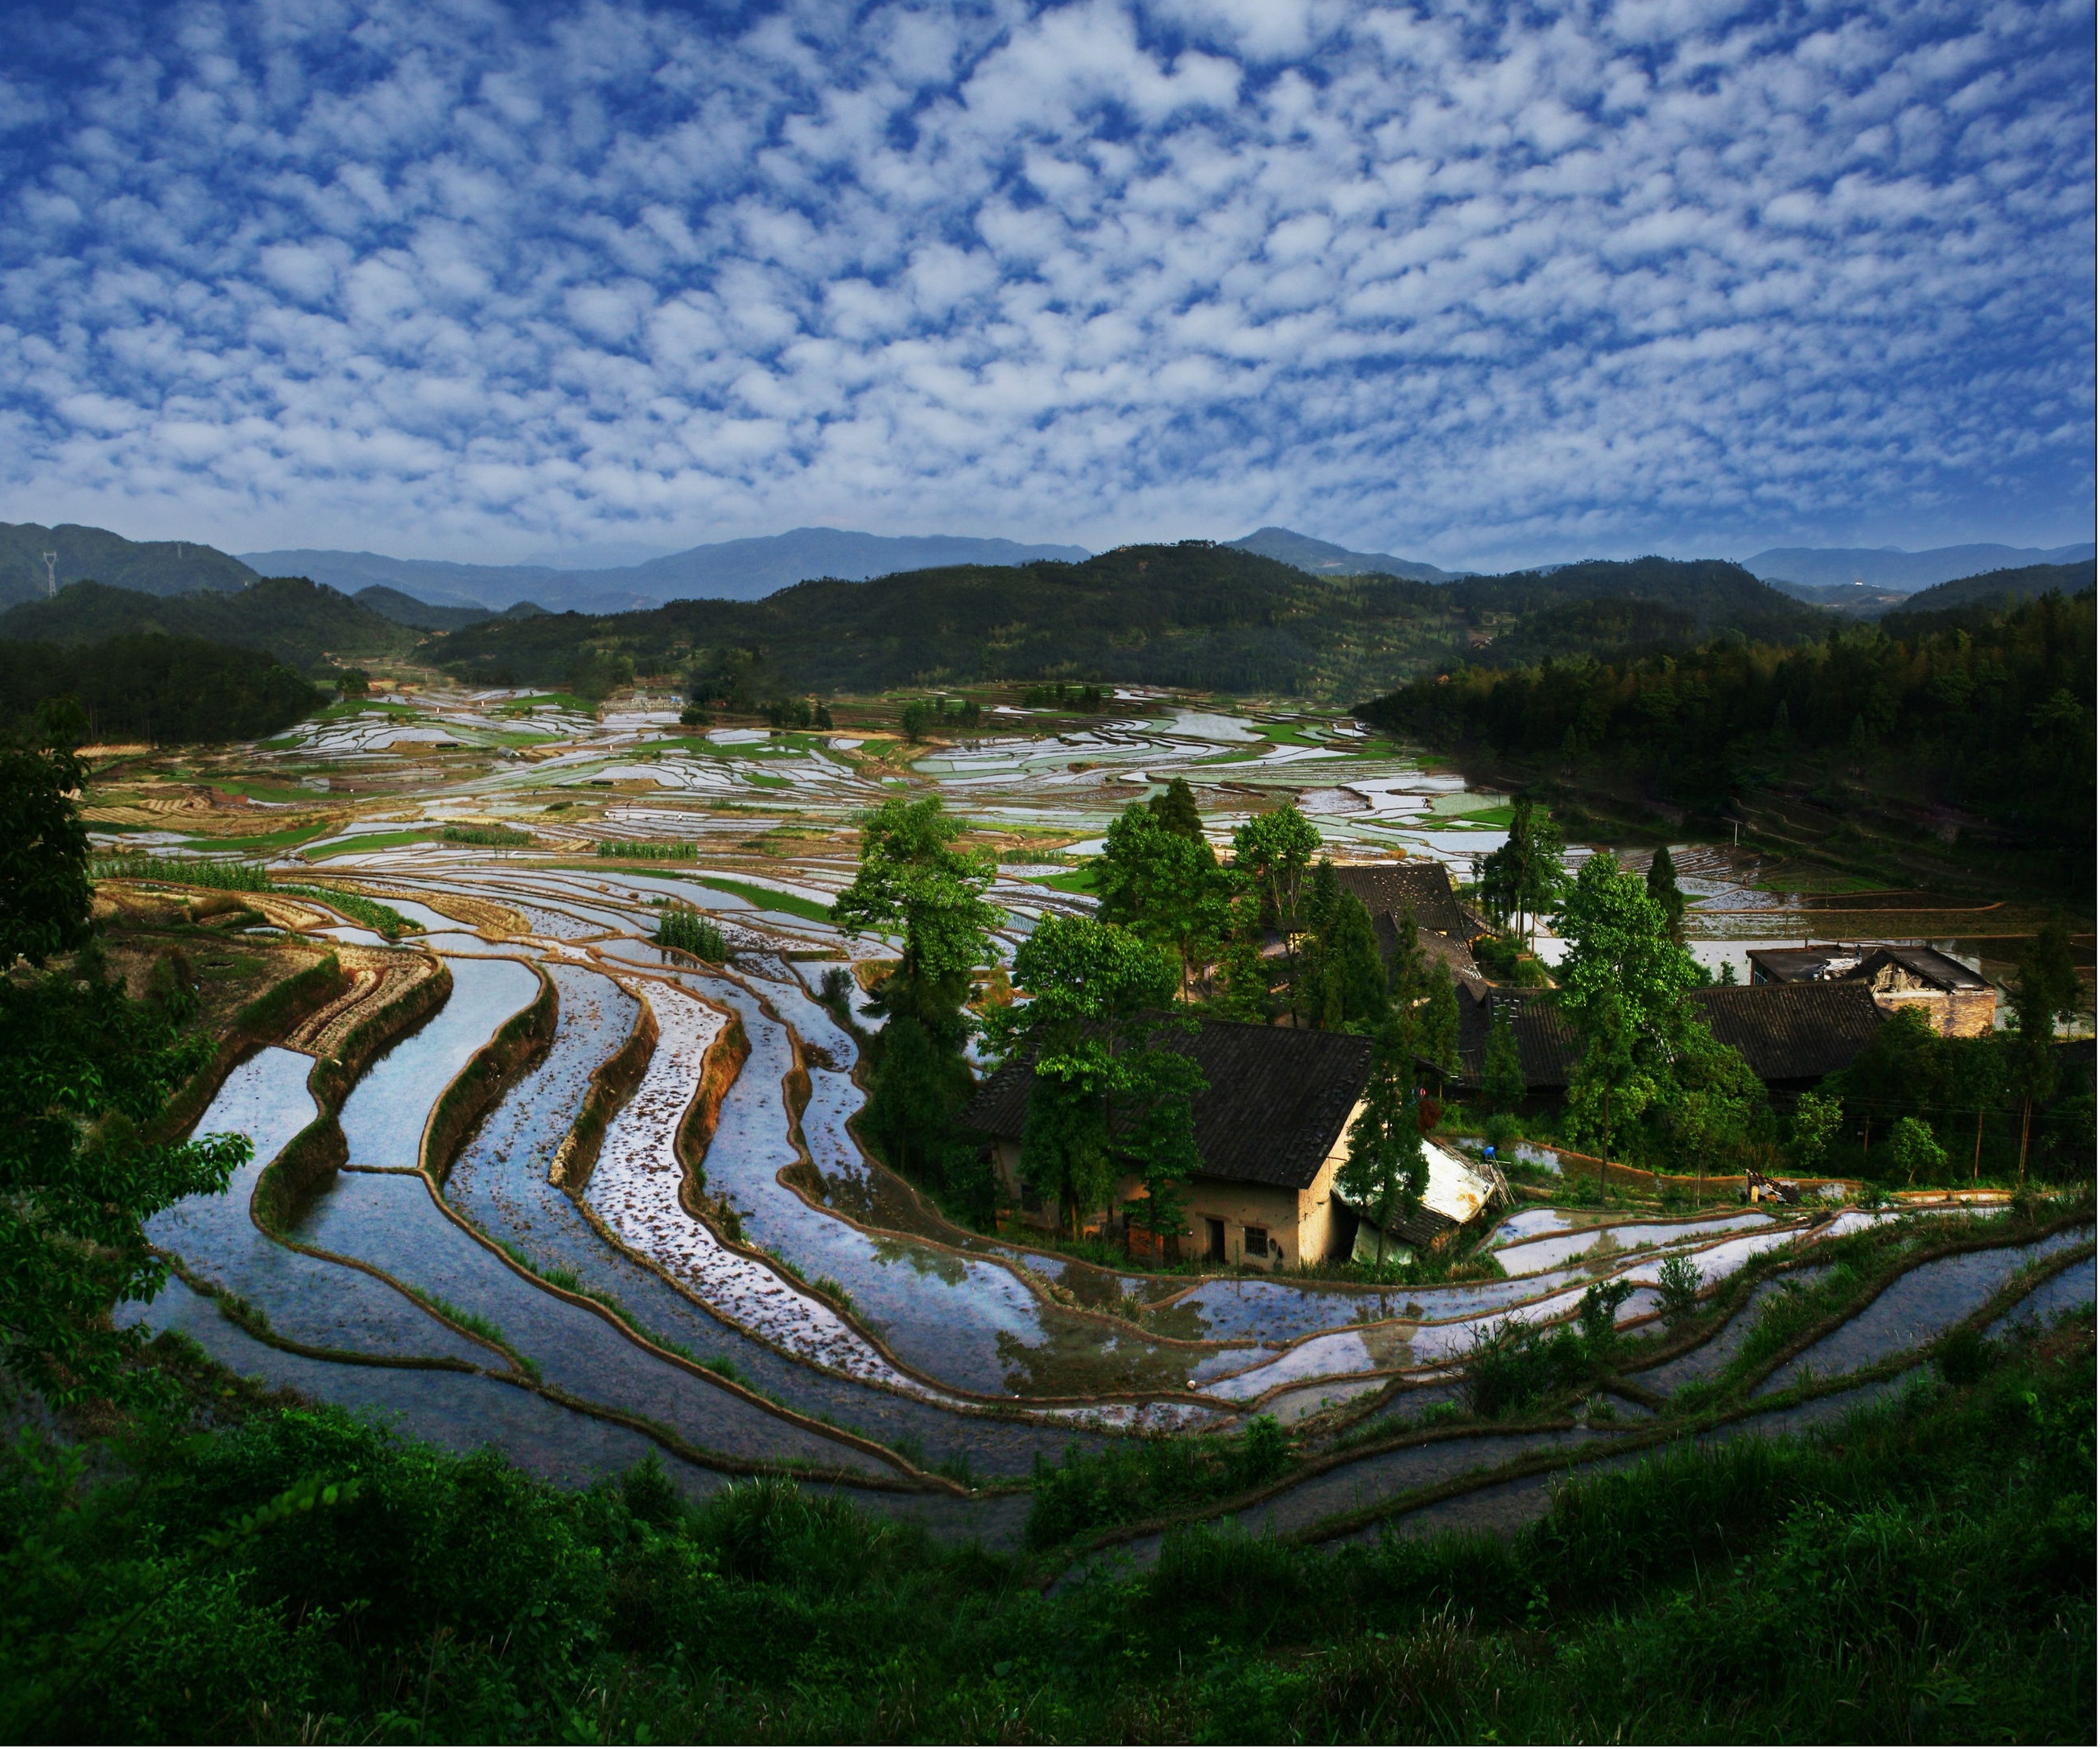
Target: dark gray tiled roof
{"x": 1834, "y": 961}
{"x": 1277, "y": 1099}
{"x": 1787, "y": 1033}
{"x": 1419, "y": 882}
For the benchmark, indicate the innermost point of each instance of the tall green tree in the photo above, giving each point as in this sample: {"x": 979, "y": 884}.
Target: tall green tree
{"x": 1342, "y": 980}
{"x": 1407, "y": 976}
{"x": 913, "y": 881}
{"x": 2045, "y": 991}
{"x": 1662, "y": 888}
{"x": 44, "y": 888}
{"x": 1622, "y": 989}
{"x": 1502, "y": 1072}
{"x": 1386, "y": 1172}
{"x": 1271, "y": 853}
{"x": 1436, "y": 1025}
{"x": 1174, "y": 808}
{"x": 1104, "y": 1088}
{"x": 1243, "y": 973}
{"x": 1164, "y": 885}
{"x": 84, "y": 1072}
{"x": 1523, "y": 880}
{"x": 1354, "y": 996}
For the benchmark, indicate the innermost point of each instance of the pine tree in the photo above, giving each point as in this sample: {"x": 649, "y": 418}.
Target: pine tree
{"x": 1174, "y": 808}
{"x": 1437, "y": 1031}
{"x": 1354, "y": 975}
{"x": 1503, "y": 1077}
{"x": 1662, "y": 888}
{"x": 1385, "y": 1173}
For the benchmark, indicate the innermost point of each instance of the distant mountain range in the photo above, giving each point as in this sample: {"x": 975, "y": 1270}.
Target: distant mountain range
{"x": 441, "y": 595}
{"x": 735, "y": 570}
{"x": 1892, "y": 569}
{"x": 439, "y": 583}
{"x": 1323, "y": 558}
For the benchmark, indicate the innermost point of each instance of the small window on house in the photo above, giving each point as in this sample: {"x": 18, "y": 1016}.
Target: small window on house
{"x": 1030, "y": 1201}
{"x": 1257, "y": 1241}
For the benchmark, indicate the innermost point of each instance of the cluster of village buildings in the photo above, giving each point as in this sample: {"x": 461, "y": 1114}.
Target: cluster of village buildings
{"x": 1273, "y": 1127}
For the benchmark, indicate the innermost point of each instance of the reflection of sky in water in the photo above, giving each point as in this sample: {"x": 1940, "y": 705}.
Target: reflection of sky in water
{"x": 964, "y": 1320}
{"x": 389, "y": 1220}
{"x": 1915, "y": 1307}
{"x": 383, "y": 1118}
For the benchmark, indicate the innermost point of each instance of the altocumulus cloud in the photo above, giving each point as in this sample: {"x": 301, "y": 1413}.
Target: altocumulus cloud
{"x": 1485, "y": 282}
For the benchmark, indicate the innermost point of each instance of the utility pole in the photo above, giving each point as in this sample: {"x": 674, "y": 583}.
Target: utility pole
{"x": 51, "y": 575}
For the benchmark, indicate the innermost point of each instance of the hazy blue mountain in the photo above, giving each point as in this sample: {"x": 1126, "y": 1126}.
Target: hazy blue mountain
{"x": 1323, "y": 558}
{"x": 1893, "y": 568}
{"x": 439, "y": 583}
{"x": 600, "y": 555}
{"x": 150, "y": 567}
{"x": 737, "y": 570}
{"x": 748, "y": 570}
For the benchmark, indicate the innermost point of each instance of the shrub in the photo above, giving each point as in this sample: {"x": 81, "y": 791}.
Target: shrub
{"x": 1678, "y": 1280}
{"x": 692, "y": 933}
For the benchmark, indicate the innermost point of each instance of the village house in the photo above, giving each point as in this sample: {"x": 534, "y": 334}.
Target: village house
{"x": 1443, "y": 927}
{"x": 1957, "y": 1002}
{"x": 1791, "y": 1035}
{"x": 1272, "y": 1129}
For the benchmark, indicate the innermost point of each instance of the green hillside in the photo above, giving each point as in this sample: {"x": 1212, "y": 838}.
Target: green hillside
{"x": 1885, "y": 728}
{"x": 151, "y": 568}
{"x": 146, "y": 686}
{"x": 296, "y": 621}
{"x": 1192, "y": 614}
{"x": 1999, "y": 588}
{"x": 405, "y": 610}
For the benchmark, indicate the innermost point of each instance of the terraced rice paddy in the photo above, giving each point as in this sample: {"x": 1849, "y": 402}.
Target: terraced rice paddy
{"x": 760, "y": 1294}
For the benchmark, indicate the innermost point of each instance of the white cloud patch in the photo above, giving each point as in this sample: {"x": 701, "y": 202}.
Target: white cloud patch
{"x": 1449, "y": 279}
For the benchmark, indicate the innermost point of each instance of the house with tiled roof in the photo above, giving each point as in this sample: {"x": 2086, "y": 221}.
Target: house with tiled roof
{"x": 1391, "y": 891}
{"x": 1791, "y": 1035}
{"x": 1958, "y": 1001}
{"x": 1272, "y": 1128}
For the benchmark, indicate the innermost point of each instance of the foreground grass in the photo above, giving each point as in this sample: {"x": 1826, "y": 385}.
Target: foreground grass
{"x": 1926, "y": 1573}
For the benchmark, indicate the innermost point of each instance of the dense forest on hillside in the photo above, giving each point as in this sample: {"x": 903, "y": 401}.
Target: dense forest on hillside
{"x": 1994, "y": 716}
{"x": 150, "y": 687}
{"x": 154, "y": 567}
{"x": 1192, "y": 614}
{"x": 297, "y": 622}
{"x": 405, "y": 610}
{"x": 1996, "y": 588}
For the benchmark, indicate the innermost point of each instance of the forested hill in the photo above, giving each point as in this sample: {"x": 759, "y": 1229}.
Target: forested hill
{"x": 1992, "y": 715}
{"x": 150, "y": 687}
{"x": 1195, "y": 613}
{"x": 1994, "y": 588}
{"x": 152, "y": 567}
{"x": 294, "y": 620}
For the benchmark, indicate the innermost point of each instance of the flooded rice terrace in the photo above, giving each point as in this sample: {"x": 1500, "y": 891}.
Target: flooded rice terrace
{"x": 663, "y": 1234}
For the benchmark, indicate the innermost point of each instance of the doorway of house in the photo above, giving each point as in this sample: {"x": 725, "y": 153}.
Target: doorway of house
{"x": 1217, "y": 1232}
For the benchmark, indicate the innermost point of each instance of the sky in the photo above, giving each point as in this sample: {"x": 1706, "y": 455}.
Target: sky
{"x": 1485, "y": 284}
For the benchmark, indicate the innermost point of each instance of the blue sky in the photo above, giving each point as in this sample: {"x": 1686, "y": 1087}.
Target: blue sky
{"x": 1481, "y": 283}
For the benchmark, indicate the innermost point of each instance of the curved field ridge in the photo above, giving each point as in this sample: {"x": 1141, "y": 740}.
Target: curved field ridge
{"x": 635, "y": 1191}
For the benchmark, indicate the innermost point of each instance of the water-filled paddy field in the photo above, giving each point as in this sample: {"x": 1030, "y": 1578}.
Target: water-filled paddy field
{"x": 731, "y": 1283}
